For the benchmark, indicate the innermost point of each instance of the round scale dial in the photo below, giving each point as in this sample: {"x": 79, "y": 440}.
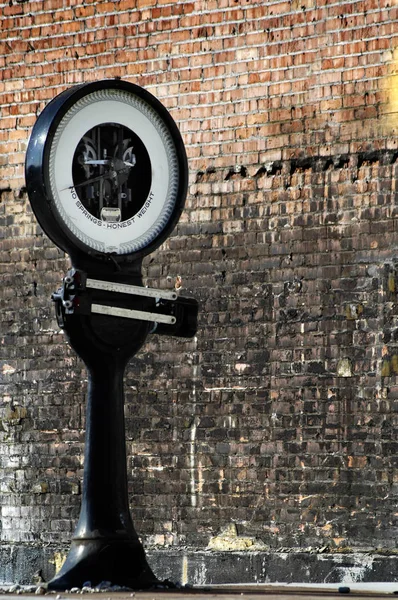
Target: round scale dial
{"x": 106, "y": 170}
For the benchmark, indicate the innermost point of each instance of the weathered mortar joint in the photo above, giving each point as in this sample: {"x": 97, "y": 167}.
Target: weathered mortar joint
{"x": 21, "y": 193}
{"x": 390, "y": 282}
{"x": 4, "y": 190}
{"x": 210, "y": 174}
{"x": 14, "y": 415}
{"x": 341, "y": 161}
{"x": 41, "y": 487}
{"x": 344, "y": 368}
{"x": 270, "y": 169}
{"x": 354, "y": 311}
{"x": 301, "y": 165}
{"x": 384, "y": 157}
{"x": 229, "y": 541}
{"x": 239, "y": 171}
{"x": 293, "y": 287}
{"x": 289, "y": 167}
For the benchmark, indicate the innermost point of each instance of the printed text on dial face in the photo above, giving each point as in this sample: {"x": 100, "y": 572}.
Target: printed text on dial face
{"x": 106, "y": 225}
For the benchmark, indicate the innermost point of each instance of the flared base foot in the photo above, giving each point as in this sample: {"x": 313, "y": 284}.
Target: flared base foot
{"x": 90, "y": 562}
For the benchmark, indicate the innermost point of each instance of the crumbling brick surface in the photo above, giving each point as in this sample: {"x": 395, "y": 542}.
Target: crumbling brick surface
{"x": 281, "y": 415}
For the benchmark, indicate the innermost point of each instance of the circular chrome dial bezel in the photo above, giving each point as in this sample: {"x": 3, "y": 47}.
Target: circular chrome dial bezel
{"x": 53, "y": 172}
{"x": 114, "y": 106}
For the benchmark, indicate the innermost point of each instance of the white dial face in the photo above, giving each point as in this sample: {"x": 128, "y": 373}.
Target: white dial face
{"x": 113, "y": 172}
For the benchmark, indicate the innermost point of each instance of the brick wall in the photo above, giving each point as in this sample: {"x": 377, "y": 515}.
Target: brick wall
{"x": 281, "y": 416}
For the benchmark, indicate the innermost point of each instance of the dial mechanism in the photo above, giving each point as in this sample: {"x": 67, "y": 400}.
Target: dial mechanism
{"x": 106, "y": 170}
{"x": 111, "y": 173}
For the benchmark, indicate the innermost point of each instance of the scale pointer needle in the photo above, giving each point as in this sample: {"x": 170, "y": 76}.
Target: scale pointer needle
{"x": 109, "y": 174}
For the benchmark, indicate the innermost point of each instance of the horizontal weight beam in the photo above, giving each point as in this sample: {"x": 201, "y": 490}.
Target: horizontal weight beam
{"x": 136, "y": 290}
{"x": 127, "y": 313}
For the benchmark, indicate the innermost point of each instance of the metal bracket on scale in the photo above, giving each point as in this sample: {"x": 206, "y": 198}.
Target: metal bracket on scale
{"x": 82, "y": 295}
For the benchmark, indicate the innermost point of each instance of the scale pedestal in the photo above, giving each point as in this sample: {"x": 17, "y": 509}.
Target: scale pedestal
{"x": 105, "y": 545}
{"x": 107, "y": 177}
